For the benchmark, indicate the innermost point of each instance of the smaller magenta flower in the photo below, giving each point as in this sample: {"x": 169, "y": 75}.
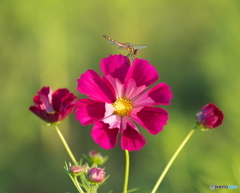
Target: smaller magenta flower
{"x": 53, "y": 107}
{"x": 209, "y": 117}
{"x": 96, "y": 175}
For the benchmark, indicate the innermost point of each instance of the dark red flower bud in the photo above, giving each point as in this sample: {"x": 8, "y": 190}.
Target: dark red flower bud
{"x": 53, "y": 107}
{"x": 209, "y": 117}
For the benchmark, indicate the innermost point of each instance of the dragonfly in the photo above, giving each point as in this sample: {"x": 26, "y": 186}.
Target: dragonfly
{"x": 132, "y": 49}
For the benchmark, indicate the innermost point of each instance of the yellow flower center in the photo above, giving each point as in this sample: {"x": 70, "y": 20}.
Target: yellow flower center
{"x": 122, "y": 106}
{"x": 52, "y": 112}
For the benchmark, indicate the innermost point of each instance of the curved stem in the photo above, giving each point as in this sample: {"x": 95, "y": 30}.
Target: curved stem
{"x": 172, "y": 160}
{"x": 125, "y": 187}
{"x": 66, "y": 145}
{"x": 75, "y": 181}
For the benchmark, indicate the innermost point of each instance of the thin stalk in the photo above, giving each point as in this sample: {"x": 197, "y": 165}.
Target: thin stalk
{"x": 93, "y": 189}
{"x": 66, "y": 145}
{"x": 172, "y": 160}
{"x": 125, "y": 187}
{"x": 75, "y": 181}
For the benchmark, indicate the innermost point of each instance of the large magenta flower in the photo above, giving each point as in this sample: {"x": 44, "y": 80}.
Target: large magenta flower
{"x": 209, "y": 117}
{"x": 119, "y": 98}
{"x": 53, "y": 107}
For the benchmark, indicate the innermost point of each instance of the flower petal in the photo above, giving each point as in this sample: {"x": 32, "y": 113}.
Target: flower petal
{"x": 117, "y": 66}
{"x": 113, "y": 121}
{"x": 89, "y": 111}
{"x": 142, "y": 72}
{"x": 96, "y": 88}
{"x": 151, "y": 118}
{"x": 51, "y": 118}
{"x": 117, "y": 85}
{"x": 132, "y": 139}
{"x": 158, "y": 95}
{"x": 105, "y": 137}
{"x": 62, "y": 99}
{"x": 132, "y": 91}
{"x": 45, "y": 96}
{"x": 65, "y": 112}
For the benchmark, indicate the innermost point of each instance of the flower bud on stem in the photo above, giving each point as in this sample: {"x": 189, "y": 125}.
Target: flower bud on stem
{"x": 209, "y": 117}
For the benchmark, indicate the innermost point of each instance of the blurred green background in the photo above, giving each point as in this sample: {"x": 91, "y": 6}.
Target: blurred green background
{"x": 195, "y": 46}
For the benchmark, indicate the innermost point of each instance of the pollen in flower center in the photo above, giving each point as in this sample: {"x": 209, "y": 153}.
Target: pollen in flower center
{"x": 122, "y": 106}
{"x": 52, "y": 112}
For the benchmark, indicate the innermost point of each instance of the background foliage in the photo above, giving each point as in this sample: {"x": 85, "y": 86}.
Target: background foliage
{"x": 195, "y": 46}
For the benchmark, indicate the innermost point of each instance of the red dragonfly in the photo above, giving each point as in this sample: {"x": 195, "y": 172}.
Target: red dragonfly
{"x": 132, "y": 49}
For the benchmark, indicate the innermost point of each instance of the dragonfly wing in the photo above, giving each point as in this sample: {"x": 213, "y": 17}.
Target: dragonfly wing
{"x": 120, "y": 45}
{"x": 113, "y": 43}
{"x": 123, "y": 46}
{"x": 139, "y": 46}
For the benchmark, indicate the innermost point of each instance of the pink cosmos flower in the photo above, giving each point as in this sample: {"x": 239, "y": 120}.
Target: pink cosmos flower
{"x": 210, "y": 116}
{"x": 53, "y": 107}
{"x": 121, "y": 97}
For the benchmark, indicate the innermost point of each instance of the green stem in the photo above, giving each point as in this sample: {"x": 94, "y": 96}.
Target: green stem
{"x": 66, "y": 145}
{"x": 172, "y": 160}
{"x": 93, "y": 189}
{"x": 125, "y": 187}
{"x": 75, "y": 181}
